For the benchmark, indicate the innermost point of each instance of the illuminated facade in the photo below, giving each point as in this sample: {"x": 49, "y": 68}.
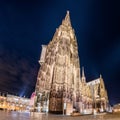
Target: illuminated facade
{"x": 3, "y": 100}
{"x": 14, "y": 103}
{"x": 60, "y": 88}
{"x": 116, "y": 108}
{"x": 17, "y": 103}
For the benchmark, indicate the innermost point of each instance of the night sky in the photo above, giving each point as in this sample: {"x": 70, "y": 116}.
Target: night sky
{"x": 26, "y": 25}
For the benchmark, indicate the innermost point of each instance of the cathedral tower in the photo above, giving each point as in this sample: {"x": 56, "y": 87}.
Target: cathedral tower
{"x": 60, "y": 87}
{"x": 59, "y": 74}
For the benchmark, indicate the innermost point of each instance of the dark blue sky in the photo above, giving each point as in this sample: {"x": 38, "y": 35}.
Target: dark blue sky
{"x": 26, "y": 25}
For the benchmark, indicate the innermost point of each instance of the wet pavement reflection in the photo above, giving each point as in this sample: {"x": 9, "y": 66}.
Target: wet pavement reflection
{"x": 11, "y": 115}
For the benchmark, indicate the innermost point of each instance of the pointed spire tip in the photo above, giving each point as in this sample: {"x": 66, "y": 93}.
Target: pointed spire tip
{"x": 68, "y": 12}
{"x": 83, "y": 73}
{"x": 66, "y": 21}
{"x": 100, "y": 76}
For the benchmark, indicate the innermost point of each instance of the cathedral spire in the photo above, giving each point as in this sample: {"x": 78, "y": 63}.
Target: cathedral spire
{"x": 100, "y": 76}
{"x": 83, "y": 75}
{"x": 67, "y": 20}
{"x": 67, "y": 17}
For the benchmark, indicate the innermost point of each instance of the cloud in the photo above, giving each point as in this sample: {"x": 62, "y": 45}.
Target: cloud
{"x": 17, "y": 73}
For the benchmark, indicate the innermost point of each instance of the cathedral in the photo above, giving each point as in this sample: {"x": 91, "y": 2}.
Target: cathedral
{"x": 60, "y": 87}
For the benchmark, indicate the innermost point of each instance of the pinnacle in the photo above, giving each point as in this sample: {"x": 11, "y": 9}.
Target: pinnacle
{"x": 67, "y": 20}
{"x": 67, "y": 17}
{"x": 100, "y": 76}
{"x": 83, "y": 74}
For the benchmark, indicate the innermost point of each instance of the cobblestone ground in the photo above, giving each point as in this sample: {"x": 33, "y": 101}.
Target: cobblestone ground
{"x": 36, "y": 116}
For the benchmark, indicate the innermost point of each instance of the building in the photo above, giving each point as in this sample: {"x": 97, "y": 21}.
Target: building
{"x": 17, "y": 103}
{"x": 116, "y": 108}
{"x": 3, "y": 100}
{"x": 60, "y": 88}
{"x": 99, "y": 94}
{"x": 14, "y": 103}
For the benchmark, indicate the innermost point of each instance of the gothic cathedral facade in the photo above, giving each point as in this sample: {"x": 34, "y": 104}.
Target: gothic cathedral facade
{"x": 60, "y": 88}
